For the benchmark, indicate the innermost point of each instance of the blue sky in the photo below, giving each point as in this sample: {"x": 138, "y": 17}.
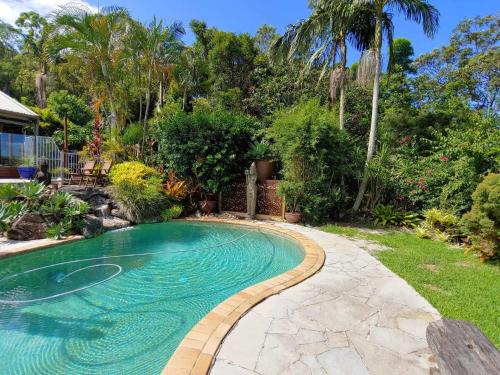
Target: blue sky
{"x": 247, "y": 15}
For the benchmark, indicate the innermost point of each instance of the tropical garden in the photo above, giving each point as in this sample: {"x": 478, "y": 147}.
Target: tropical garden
{"x": 393, "y": 140}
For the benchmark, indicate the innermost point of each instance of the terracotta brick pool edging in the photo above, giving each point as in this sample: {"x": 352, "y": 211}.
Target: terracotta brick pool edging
{"x": 196, "y": 352}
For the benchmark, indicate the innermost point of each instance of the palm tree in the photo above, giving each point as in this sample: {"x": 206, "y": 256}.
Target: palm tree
{"x": 419, "y": 11}
{"x": 323, "y": 36}
{"x": 157, "y": 47}
{"x": 97, "y": 39}
{"x": 190, "y": 73}
{"x": 35, "y": 31}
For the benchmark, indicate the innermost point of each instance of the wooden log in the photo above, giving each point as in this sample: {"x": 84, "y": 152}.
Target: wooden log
{"x": 462, "y": 349}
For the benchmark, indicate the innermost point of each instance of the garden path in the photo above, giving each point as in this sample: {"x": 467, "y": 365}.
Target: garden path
{"x": 353, "y": 317}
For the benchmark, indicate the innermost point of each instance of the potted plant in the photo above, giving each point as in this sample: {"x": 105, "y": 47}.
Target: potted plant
{"x": 261, "y": 154}
{"x": 27, "y": 170}
{"x": 292, "y": 192}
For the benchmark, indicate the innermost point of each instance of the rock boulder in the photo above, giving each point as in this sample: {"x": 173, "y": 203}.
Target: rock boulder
{"x": 30, "y": 226}
{"x": 93, "y": 226}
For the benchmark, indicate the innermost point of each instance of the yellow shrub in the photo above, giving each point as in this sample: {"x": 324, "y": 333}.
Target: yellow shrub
{"x": 133, "y": 172}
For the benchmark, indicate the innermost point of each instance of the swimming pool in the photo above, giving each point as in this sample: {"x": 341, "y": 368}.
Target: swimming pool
{"x": 122, "y": 302}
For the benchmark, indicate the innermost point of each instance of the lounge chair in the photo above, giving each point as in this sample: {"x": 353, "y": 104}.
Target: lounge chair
{"x": 86, "y": 170}
{"x": 101, "y": 175}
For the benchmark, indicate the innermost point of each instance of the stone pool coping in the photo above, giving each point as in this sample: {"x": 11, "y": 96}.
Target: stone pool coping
{"x": 9, "y": 248}
{"x": 196, "y": 353}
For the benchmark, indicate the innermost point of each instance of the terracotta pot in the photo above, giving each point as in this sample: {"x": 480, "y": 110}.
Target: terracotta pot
{"x": 293, "y": 217}
{"x": 265, "y": 169}
{"x": 208, "y": 207}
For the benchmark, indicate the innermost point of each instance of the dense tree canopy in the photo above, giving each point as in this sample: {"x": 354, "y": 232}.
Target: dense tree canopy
{"x": 433, "y": 132}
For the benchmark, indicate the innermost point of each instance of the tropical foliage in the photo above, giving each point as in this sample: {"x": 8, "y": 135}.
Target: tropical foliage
{"x": 482, "y": 223}
{"x": 61, "y": 211}
{"x": 396, "y": 142}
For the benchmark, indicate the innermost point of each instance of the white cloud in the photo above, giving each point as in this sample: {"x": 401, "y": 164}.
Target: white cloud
{"x": 10, "y": 9}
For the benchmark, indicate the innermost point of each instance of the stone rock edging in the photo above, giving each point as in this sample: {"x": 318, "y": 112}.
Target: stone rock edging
{"x": 196, "y": 353}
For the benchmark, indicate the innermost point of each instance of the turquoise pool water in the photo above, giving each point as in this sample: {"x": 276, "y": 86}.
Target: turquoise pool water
{"x": 122, "y": 302}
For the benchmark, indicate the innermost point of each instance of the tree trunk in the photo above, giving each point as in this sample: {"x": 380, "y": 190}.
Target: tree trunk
{"x": 146, "y": 112}
{"x": 373, "y": 125}
{"x": 185, "y": 100}
{"x": 140, "y": 106}
{"x": 65, "y": 142}
{"x": 161, "y": 98}
{"x": 41, "y": 89}
{"x": 343, "y": 62}
{"x": 113, "y": 115}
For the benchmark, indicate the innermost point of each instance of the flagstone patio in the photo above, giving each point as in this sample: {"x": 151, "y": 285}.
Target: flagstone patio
{"x": 353, "y": 317}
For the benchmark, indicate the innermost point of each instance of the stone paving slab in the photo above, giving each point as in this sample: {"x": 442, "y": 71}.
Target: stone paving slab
{"x": 353, "y": 317}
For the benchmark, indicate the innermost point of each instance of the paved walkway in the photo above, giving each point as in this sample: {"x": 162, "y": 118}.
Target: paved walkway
{"x": 353, "y": 317}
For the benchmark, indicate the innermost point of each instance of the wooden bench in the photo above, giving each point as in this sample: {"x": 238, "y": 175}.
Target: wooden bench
{"x": 462, "y": 349}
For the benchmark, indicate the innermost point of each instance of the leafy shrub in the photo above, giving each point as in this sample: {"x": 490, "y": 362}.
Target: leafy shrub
{"x": 66, "y": 104}
{"x": 317, "y": 154}
{"x": 175, "y": 188}
{"x": 482, "y": 223}
{"x": 139, "y": 189}
{"x": 386, "y": 215}
{"x": 172, "y": 213}
{"x": 133, "y": 134}
{"x": 293, "y": 192}
{"x": 440, "y": 225}
{"x": 390, "y": 215}
{"x": 446, "y": 172}
{"x": 208, "y": 148}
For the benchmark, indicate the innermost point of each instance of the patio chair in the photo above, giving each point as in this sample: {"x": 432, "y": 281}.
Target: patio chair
{"x": 86, "y": 170}
{"x": 101, "y": 175}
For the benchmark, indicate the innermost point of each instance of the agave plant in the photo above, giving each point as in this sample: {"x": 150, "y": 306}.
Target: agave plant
{"x": 31, "y": 192}
{"x": 59, "y": 230}
{"x": 10, "y": 212}
{"x": 8, "y": 192}
{"x": 56, "y": 203}
{"x": 76, "y": 209}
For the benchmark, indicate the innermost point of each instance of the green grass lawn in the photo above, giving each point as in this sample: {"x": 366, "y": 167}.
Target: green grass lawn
{"x": 459, "y": 286}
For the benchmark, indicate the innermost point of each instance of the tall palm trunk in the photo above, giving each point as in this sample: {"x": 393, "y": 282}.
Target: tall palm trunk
{"x": 41, "y": 87}
{"x": 113, "y": 115}
{"x": 343, "y": 63}
{"x": 161, "y": 94}
{"x": 373, "y": 125}
{"x": 146, "y": 111}
{"x": 185, "y": 100}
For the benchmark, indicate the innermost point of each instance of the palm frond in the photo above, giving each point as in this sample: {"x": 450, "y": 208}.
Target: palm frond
{"x": 419, "y": 11}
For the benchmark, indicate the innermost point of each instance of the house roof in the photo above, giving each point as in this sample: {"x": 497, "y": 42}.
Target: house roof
{"x": 12, "y": 108}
